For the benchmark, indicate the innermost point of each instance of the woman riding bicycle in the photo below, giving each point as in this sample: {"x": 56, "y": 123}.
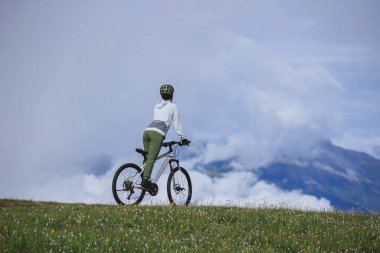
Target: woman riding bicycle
{"x": 165, "y": 112}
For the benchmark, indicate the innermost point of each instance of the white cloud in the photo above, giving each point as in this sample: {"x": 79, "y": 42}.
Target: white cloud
{"x": 243, "y": 189}
{"x": 235, "y": 188}
{"x": 265, "y": 106}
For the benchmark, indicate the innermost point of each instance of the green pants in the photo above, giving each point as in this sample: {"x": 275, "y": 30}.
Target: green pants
{"x": 152, "y": 144}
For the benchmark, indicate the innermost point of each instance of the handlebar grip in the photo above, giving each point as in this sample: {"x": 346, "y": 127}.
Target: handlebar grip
{"x": 184, "y": 142}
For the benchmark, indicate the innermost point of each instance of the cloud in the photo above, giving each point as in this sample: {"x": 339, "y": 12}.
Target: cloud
{"x": 243, "y": 189}
{"x": 265, "y": 106}
{"x": 234, "y": 188}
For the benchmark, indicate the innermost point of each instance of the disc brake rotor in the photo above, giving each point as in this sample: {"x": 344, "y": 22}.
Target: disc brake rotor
{"x": 177, "y": 188}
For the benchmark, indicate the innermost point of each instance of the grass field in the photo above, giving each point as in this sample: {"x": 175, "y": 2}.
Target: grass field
{"x": 29, "y": 226}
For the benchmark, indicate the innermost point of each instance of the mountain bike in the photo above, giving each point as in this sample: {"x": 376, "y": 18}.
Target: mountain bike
{"x": 126, "y": 183}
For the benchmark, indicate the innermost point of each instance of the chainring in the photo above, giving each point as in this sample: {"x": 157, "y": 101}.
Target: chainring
{"x": 153, "y": 189}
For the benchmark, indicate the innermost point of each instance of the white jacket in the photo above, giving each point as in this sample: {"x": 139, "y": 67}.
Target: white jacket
{"x": 166, "y": 112}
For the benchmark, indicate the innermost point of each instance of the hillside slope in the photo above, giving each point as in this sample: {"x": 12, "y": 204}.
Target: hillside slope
{"x": 27, "y": 226}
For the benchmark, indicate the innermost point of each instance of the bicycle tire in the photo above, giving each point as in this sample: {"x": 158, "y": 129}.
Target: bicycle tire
{"x": 122, "y": 184}
{"x": 180, "y": 189}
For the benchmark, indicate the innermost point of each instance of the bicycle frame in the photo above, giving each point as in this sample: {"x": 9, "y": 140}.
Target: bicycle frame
{"x": 170, "y": 157}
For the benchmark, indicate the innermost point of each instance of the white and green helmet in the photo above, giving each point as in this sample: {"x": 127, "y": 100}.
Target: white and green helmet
{"x": 167, "y": 89}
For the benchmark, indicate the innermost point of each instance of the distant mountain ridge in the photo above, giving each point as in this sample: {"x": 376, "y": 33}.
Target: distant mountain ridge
{"x": 350, "y": 180}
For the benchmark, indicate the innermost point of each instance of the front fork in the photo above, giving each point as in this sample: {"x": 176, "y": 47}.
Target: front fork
{"x": 173, "y": 161}
{"x": 176, "y": 162}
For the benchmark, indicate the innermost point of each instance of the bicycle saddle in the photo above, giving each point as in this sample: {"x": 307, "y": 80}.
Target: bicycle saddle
{"x": 140, "y": 151}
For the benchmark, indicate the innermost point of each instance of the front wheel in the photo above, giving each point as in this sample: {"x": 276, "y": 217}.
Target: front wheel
{"x": 179, "y": 187}
{"x": 126, "y": 187}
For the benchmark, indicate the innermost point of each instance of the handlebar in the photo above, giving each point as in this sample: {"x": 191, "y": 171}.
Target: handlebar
{"x": 180, "y": 143}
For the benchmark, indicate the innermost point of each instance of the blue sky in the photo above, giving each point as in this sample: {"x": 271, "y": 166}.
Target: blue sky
{"x": 78, "y": 80}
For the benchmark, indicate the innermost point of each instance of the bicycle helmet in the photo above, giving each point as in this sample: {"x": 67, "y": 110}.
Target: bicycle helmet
{"x": 166, "y": 89}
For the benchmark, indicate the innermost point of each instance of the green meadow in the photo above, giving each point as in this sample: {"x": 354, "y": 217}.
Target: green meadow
{"x": 30, "y": 226}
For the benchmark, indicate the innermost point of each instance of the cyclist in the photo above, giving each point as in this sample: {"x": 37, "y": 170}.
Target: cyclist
{"x": 165, "y": 112}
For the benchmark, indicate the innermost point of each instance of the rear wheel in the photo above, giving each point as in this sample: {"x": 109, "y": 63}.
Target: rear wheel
{"x": 179, "y": 187}
{"x": 126, "y": 185}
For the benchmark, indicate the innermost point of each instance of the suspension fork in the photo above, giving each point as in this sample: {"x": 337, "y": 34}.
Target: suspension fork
{"x": 176, "y": 161}
{"x": 173, "y": 161}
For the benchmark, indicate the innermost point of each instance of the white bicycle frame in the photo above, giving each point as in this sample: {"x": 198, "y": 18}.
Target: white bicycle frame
{"x": 169, "y": 157}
